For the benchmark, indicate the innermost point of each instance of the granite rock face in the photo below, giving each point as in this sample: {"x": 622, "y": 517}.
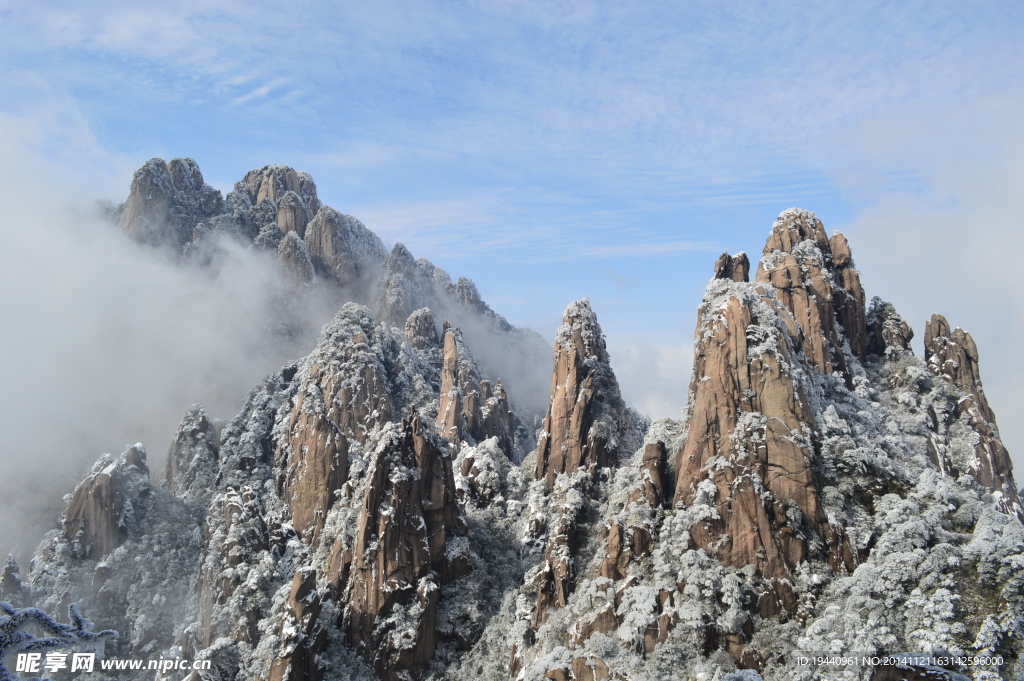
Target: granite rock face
{"x": 749, "y": 450}
{"x": 95, "y": 520}
{"x": 886, "y": 329}
{"x": 275, "y": 182}
{"x": 344, "y": 250}
{"x": 293, "y": 258}
{"x": 409, "y": 523}
{"x": 470, "y": 407}
{"x": 302, "y": 662}
{"x": 586, "y": 417}
{"x": 167, "y": 201}
{"x": 588, "y": 430}
{"x": 953, "y": 355}
{"x": 342, "y": 395}
{"x": 374, "y": 510}
{"x": 849, "y": 296}
{"x": 798, "y": 263}
{"x": 733, "y": 267}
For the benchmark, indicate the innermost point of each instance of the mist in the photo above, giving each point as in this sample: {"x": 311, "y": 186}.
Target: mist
{"x": 107, "y": 343}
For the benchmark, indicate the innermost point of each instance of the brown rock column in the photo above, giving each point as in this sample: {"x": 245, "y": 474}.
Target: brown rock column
{"x": 581, "y": 367}
{"x": 748, "y": 453}
{"x": 798, "y": 262}
{"x": 93, "y": 520}
{"x": 400, "y": 557}
{"x": 849, "y": 297}
{"x": 469, "y": 407}
{"x": 953, "y": 355}
{"x": 342, "y": 396}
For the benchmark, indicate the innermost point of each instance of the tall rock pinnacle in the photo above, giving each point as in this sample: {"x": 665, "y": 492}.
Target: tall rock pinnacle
{"x": 470, "y": 406}
{"x": 586, "y": 418}
{"x": 748, "y": 453}
{"x": 823, "y": 297}
{"x": 403, "y": 552}
{"x": 953, "y": 355}
{"x": 343, "y": 394}
{"x": 750, "y": 445}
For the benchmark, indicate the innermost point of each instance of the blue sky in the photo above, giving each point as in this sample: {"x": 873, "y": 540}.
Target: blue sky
{"x": 551, "y": 151}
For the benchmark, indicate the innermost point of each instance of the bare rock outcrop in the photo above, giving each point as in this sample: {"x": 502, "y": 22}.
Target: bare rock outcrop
{"x": 886, "y": 328}
{"x": 587, "y": 428}
{"x": 421, "y": 332}
{"x": 407, "y": 546}
{"x": 167, "y": 201}
{"x": 191, "y": 468}
{"x": 306, "y": 637}
{"x": 407, "y": 284}
{"x": 343, "y": 395}
{"x": 95, "y": 520}
{"x": 342, "y": 249}
{"x": 294, "y": 261}
{"x": 10, "y": 579}
{"x": 798, "y": 262}
{"x": 587, "y": 425}
{"x": 953, "y": 355}
{"x": 748, "y": 453}
{"x": 470, "y": 407}
{"x": 276, "y": 182}
{"x": 633, "y": 538}
{"x": 733, "y": 267}
{"x": 849, "y": 296}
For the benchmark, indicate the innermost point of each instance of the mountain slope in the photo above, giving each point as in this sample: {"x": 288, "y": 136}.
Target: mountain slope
{"x": 376, "y": 511}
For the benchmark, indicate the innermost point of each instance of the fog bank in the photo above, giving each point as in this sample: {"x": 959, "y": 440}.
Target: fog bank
{"x": 107, "y": 343}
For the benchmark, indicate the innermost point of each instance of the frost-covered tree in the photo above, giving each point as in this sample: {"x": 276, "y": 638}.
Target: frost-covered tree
{"x": 16, "y": 637}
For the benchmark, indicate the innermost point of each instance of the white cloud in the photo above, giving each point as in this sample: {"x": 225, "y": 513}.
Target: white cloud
{"x": 654, "y": 377}
{"x": 946, "y": 235}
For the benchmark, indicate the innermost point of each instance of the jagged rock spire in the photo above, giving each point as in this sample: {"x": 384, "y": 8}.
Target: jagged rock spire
{"x": 343, "y": 394}
{"x": 10, "y": 579}
{"x": 167, "y": 201}
{"x": 822, "y": 291}
{"x": 748, "y": 453}
{"x": 849, "y": 296}
{"x": 471, "y": 407}
{"x": 587, "y": 424}
{"x": 404, "y": 549}
{"x": 886, "y": 328}
{"x": 953, "y": 355}
{"x": 94, "y": 520}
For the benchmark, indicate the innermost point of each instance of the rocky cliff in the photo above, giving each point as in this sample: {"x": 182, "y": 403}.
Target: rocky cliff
{"x": 377, "y": 510}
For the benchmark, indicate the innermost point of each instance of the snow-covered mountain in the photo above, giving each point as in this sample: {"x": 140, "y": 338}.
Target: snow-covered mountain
{"x": 381, "y": 509}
